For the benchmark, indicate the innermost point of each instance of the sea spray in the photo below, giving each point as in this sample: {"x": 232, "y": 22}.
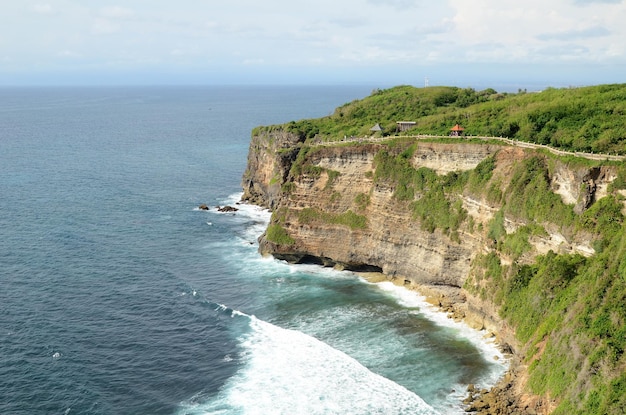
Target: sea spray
{"x": 287, "y": 372}
{"x": 388, "y": 329}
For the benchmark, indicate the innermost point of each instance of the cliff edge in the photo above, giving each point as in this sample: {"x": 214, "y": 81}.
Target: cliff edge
{"x": 471, "y": 225}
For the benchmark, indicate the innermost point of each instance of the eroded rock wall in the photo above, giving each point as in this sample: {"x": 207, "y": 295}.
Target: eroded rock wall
{"x": 340, "y": 179}
{"x": 270, "y": 157}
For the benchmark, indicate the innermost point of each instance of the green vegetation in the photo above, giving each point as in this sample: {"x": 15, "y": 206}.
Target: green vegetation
{"x": 298, "y": 165}
{"x": 288, "y": 187}
{"x": 589, "y": 119}
{"x": 569, "y": 311}
{"x": 332, "y": 176}
{"x": 433, "y": 198}
{"x": 349, "y": 218}
{"x": 275, "y": 232}
{"x": 278, "y": 235}
{"x": 362, "y": 201}
{"x": 529, "y": 196}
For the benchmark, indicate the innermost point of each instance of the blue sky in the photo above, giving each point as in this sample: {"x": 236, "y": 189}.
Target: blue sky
{"x": 478, "y": 43}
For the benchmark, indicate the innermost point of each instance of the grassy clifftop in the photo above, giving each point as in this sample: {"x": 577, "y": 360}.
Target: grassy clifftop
{"x": 589, "y": 119}
{"x": 568, "y": 309}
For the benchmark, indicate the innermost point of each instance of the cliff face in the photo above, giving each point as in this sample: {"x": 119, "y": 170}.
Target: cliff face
{"x": 340, "y": 179}
{"x": 341, "y": 205}
{"x": 269, "y": 159}
{"x": 391, "y": 241}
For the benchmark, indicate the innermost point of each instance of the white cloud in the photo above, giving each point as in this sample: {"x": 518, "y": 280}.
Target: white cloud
{"x": 536, "y": 30}
{"x": 42, "y": 9}
{"x": 398, "y": 4}
{"x": 104, "y": 27}
{"x": 585, "y": 33}
{"x": 116, "y": 12}
{"x": 253, "y": 61}
{"x": 354, "y": 34}
{"x": 68, "y": 54}
{"x": 589, "y": 2}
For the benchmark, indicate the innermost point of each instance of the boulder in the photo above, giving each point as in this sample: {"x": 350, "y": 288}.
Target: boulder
{"x": 227, "y": 209}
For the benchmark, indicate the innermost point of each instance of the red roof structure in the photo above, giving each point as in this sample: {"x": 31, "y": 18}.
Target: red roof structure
{"x": 457, "y": 130}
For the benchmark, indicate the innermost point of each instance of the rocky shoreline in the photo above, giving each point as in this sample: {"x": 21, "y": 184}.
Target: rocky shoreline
{"x": 507, "y": 396}
{"x": 331, "y": 193}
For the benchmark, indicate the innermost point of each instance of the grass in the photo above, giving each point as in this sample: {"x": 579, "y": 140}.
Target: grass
{"x": 348, "y": 219}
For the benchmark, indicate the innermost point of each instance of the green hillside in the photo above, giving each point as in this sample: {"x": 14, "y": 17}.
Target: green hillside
{"x": 568, "y": 311}
{"x": 589, "y": 119}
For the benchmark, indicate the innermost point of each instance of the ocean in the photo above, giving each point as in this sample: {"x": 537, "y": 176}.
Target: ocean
{"x": 119, "y": 296}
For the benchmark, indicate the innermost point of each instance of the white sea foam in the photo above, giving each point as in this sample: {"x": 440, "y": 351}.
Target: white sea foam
{"x": 256, "y": 217}
{"x": 287, "y": 372}
{"x": 488, "y": 347}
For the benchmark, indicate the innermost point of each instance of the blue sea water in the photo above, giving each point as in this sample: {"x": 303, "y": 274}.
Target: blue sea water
{"x": 119, "y": 296}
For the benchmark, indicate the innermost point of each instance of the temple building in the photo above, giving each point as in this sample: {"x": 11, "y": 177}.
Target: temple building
{"x": 456, "y": 131}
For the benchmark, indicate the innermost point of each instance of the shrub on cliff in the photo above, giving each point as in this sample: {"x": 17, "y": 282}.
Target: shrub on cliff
{"x": 277, "y": 234}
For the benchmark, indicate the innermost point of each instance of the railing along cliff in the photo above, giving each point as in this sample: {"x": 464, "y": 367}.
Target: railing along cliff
{"x": 522, "y": 144}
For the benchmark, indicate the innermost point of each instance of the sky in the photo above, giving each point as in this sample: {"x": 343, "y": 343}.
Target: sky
{"x": 477, "y": 43}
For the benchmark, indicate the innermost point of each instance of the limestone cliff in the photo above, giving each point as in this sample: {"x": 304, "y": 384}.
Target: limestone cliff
{"x": 340, "y": 179}
{"x": 270, "y": 157}
{"x": 333, "y": 206}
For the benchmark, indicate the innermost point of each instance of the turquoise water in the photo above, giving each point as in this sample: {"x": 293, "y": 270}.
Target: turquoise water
{"x": 119, "y": 296}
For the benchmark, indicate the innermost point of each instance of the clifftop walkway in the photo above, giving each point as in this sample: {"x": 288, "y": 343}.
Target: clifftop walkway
{"x": 522, "y": 144}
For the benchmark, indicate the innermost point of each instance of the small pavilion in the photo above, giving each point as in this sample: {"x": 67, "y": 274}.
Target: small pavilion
{"x": 456, "y": 131}
{"x": 376, "y": 129}
{"x": 405, "y": 125}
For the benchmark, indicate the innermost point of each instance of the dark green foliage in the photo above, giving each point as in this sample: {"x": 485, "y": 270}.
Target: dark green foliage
{"x": 517, "y": 243}
{"x": 386, "y": 107}
{"x": 298, "y": 164}
{"x": 305, "y": 129}
{"x": 397, "y": 170}
{"x": 579, "y": 119}
{"x": 605, "y": 220}
{"x": 520, "y": 280}
{"x": 288, "y": 187}
{"x": 531, "y": 198}
{"x": 578, "y": 306}
{"x": 312, "y": 170}
{"x": 533, "y": 290}
{"x": 435, "y": 211}
{"x": 479, "y": 177}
